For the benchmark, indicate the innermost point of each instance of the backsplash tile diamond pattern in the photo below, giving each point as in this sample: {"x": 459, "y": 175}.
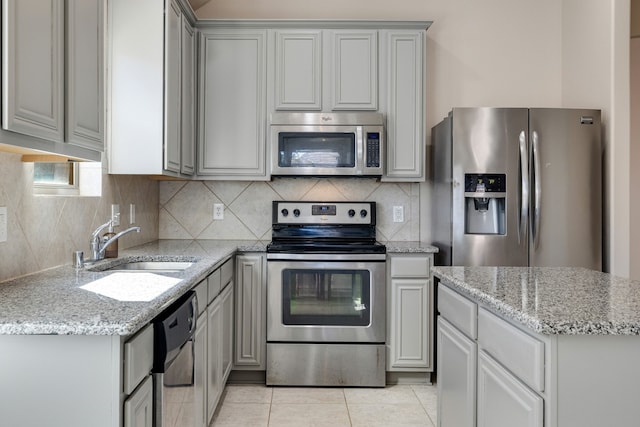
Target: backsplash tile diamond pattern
{"x": 43, "y": 231}
{"x": 186, "y": 209}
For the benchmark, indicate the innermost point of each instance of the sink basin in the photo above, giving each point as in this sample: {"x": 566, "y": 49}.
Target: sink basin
{"x": 153, "y": 266}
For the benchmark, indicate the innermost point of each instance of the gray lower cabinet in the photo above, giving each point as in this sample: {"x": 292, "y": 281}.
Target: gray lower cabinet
{"x": 409, "y": 302}
{"x": 503, "y": 400}
{"x": 200, "y": 368}
{"x": 138, "y": 408}
{"x": 456, "y": 376}
{"x": 251, "y": 316}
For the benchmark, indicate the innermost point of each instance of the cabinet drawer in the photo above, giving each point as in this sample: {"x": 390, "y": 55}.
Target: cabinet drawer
{"x": 517, "y": 351}
{"x": 201, "y": 294}
{"x": 226, "y": 273}
{"x": 213, "y": 285}
{"x": 410, "y": 266}
{"x": 138, "y": 358}
{"x": 459, "y": 311}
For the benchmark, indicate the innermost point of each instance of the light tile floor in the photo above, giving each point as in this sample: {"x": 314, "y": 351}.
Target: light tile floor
{"x": 397, "y": 405}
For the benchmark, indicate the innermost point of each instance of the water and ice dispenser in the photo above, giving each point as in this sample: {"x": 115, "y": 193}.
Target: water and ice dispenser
{"x": 484, "y": 203}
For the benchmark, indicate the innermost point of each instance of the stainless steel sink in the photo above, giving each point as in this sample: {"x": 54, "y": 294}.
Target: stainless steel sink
{"x": 152, "y": 266}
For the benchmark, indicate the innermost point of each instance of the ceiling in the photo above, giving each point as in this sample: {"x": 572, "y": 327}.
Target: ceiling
{"x": 196, "y": 4}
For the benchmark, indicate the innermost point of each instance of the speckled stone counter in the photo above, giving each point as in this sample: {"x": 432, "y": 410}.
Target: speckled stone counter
{"x": 52, "y": 301}
{"x": 410, "y": 247}
{"x": 553, "y": 301}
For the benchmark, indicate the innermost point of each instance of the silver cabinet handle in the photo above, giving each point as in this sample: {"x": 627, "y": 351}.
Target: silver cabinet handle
{"x": 524, "y": 187}
{"x": 537, "y": 188}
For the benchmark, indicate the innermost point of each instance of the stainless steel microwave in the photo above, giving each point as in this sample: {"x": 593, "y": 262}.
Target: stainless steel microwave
{"x": 327, "y": 144}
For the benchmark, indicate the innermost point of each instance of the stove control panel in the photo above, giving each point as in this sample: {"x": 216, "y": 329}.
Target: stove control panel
{"x": 345, "y": 213}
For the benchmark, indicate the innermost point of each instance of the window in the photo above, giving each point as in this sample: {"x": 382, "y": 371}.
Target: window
{"x": 56, "y": 178}
{"x": 68, "y": 179}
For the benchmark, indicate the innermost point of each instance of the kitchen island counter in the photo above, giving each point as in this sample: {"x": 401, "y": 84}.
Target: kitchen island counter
{"x": 552, "y": 301}
{"x": 535, "y": 347}
{"x": 53, "y": 302}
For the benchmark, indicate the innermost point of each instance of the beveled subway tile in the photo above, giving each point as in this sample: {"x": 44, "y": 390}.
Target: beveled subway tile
{"x": 308, "y": 395}
{"x": 241, "y": 414}
{"x": 388, "y": 414}
{"x": 309, "y": 414}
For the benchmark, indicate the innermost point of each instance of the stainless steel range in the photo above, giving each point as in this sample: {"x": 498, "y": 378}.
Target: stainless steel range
{"x": 326, "y": 293}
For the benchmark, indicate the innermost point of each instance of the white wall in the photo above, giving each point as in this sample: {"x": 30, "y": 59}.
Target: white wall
{"x": 635, "y": 155}
{"x": 544, "y": 53}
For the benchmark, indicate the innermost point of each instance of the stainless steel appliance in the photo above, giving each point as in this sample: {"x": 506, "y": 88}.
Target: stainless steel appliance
{"x": 518, "y": 187}
{"x": 173, "y": 366}
{"x": 327, "y": 144}
{"x": 326, "y": 296}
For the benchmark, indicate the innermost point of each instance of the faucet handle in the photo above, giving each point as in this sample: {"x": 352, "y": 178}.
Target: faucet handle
{"x": 97, "y": 231}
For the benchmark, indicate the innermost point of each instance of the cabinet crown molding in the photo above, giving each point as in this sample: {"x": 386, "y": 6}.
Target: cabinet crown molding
{"x": 313, "y": 23}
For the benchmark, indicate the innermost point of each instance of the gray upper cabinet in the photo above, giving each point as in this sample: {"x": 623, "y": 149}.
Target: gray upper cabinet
{"x": 298, "y": 64}
{"x": 33, "y": 83}
{"x": 85, "y": 73}
{"x": 53, "y": 67}
{"x": 232, "y": 118}
{"x": 325, "y": 70}
{"x": 148, "y": 98}
{"x": 404, "y": 78}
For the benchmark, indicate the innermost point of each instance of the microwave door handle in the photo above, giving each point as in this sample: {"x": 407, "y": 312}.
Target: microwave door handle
{"x": 360, "y": 155}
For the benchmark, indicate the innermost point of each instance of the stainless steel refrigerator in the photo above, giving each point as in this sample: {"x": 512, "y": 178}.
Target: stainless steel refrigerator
{"x": 518, "y": 187}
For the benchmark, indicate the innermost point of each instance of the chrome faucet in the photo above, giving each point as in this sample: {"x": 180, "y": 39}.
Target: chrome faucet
{"x": 98, "y": 245}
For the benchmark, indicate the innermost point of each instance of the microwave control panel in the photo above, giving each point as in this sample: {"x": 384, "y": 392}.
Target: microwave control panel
{"x": 373, "y": 150}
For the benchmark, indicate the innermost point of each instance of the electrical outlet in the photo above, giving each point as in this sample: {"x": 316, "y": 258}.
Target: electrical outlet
{"x": 115, "y": 215}
{"x": 3, "y": 224}
{"x": 398, "y": 214}
{"x": 132, "y": 213}
{"x": 218, "y": 211}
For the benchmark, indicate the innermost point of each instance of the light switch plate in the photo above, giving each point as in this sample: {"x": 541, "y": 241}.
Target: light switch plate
{"x": 398, "y": 214}
{"x": 3, "y": 224}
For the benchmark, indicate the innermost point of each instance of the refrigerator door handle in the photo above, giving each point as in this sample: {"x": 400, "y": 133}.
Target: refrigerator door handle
{"x": 537, "y": 195}
{"x": 524, "y": 187}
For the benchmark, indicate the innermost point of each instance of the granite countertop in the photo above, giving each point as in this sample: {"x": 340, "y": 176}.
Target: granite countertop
{"x": 53, "y": 302}
{"x": 553, "y": 301}
{"x": 410, "y": 247}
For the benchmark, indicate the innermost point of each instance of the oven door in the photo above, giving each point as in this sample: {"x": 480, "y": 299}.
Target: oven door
{"x": 326, "y": 301}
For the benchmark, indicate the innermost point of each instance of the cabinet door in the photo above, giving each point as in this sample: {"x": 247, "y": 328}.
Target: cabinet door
{"x": 188, "y": 101}
{"x": 228, "y": 321}
{"x": 33, "y": 68}
{"x": 354, "y": 70}
{"x": 409, "y": 324}
{"x": 85, "y": 73}
{"x": 251, "y": 301}
{"x": 405, "y": 105}
{"x": 200, "y": 372}
{"x": 214, "y": 355}
{"x": 138, "y": 408}
{"x": 172, "y": 83}
{"x": 456, "y": 377}
{"x": 503, "y": 401}
{"x": 231, "y": 141}
{"x": 298, "y": 61}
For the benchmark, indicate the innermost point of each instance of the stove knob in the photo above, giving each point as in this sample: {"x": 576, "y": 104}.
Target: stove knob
{"x": 284, "y": 212}
{"x": 352, "y": 213}
{"x": 363, "y": 213}
{"x": 296, "y": 212}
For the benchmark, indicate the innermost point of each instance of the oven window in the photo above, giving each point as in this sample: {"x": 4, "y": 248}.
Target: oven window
{"x": 318, "y": 149}
{"x": 326, "y": 297}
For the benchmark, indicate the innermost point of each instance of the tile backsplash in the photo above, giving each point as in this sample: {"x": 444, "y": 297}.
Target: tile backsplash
{"x": 186, "y": 208}
{"x": 43, "y": 231}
